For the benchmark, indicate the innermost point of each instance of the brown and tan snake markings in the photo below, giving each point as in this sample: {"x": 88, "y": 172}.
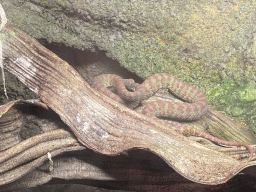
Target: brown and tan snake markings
{"x": 194, "y": 107}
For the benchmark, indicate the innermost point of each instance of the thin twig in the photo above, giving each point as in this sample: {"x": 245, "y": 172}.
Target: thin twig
{"x": 3, "y": 18}
{"x": 3, "y": 22}
{"x": 50, "y": 161}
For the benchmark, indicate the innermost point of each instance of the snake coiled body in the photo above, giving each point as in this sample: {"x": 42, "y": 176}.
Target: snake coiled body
{"x": 194, "y": 106}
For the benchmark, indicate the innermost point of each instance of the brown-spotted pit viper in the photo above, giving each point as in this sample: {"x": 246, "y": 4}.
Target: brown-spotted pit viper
{"x": 193, "y": 108}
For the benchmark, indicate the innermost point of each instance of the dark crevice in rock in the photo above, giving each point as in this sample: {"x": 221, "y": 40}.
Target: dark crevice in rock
{"x": 89, "y": 64}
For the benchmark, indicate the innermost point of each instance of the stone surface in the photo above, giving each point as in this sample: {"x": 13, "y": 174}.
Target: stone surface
{"x": 200, "y": 42}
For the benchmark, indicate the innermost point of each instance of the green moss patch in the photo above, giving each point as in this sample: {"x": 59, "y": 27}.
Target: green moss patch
{"x": 238, "y": 100}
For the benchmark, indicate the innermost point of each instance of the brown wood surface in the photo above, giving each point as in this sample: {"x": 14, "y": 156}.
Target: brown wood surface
{"x": 102, "y": 124}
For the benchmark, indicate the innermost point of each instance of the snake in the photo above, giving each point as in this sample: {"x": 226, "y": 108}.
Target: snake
{"x": 193, "y": 107}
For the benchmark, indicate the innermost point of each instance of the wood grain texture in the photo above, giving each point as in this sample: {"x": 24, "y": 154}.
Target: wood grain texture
{"x": 103, "y": 124}
{"x": 194, "y": 107}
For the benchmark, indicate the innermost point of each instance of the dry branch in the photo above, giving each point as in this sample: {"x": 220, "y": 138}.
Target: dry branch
{"x": 103, "y": 124}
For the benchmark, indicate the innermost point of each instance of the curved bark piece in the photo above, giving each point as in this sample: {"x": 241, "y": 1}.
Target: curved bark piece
{"x": 10, "y": 125}
{"x": 30, "y": 143}
{"x": 103, "y": 124}
{"x": 19, "y": 159}
{"x": 22, "y": 170}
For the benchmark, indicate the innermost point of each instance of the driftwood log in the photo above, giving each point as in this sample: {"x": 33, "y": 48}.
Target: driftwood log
{"x": 103, "y": 125}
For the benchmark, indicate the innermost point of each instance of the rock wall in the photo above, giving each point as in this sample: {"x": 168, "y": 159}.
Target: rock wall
{"x": 202, "y": 42}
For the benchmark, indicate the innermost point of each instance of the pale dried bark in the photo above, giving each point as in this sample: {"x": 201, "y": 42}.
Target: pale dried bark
{"x": 103, "y": 124}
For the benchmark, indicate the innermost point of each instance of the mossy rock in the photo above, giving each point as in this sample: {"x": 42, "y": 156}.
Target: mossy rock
{"x": 197, "y": 41}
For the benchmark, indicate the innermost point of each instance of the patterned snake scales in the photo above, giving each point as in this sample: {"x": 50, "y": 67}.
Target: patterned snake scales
{"x": 195, "y": 106}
